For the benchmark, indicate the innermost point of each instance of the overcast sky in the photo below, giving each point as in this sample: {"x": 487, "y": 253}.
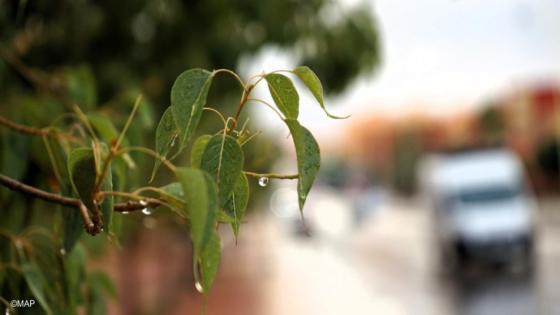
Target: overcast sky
{"x": 445, "y": 55}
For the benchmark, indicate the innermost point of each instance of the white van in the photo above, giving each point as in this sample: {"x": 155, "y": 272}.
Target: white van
{"x": 484, "y": 209}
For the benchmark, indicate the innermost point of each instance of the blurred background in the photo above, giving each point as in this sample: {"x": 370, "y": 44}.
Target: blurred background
{"x": 439, "y": 195}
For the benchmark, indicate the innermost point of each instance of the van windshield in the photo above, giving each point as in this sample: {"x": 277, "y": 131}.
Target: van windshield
{"x": 487, "y": 194}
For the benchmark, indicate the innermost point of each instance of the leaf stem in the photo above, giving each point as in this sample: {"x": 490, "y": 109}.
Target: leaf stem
{"x": 150, "y": 152}
{"x": 128, "y": 121}
{"x": 235, "y": 75}
{"x": 210, "y": 109}
{"x": 267, "y": 104}
{"x": 272, "y": 175}
{"x": 244, "y": 97}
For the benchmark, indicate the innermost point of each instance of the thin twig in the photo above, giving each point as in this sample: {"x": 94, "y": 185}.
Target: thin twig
{"x": 150, "y": 152}
{"x": 244, "y": 97}
{"x": 130, "y": 206}
{"x": 272, "y": 175}
{"x": 233, "y": 74}
{"x": 24, "y": 129}
{"x": 50, "y": 197}
{"x": 268, "y": 105}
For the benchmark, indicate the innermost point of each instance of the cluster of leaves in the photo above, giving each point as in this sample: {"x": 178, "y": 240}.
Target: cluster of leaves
{"x": 91, "y": 160}
{"x": 215, "y": 187}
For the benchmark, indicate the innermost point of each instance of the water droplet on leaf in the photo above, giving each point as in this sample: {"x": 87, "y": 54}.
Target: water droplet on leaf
{"x": 199, "y": 287}
{"x": 263, "y": 181}
{"x": 147, "y": 211}
{"x": 172, "y": 144}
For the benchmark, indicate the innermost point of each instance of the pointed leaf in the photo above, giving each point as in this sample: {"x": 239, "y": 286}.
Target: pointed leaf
{"x": 166, "y": 133}
{"x": 201, "y": 198}
{"x": 223, "y": 159}
{"x": 107, "y": 204}
{"x": 81, "y": 86}
{"x": 210, "y": 261}
{"x": 174, "y": 189}
{"x": 198, "y": 149}
{"x": 188, "y": 97}
{"x": 173, "y": 195}
{"x": 57, "y": 156}
{"x": 74, "y": 272}
{"x": 72, "y": 222}
{"x": 81, "y": 168}
{"x": 37, "y": 284}
{"x": 310, "y": 79}
{"x": 308, "y": 158}
{"x": 284, "y": 94}
{"x": 237, "y": 203}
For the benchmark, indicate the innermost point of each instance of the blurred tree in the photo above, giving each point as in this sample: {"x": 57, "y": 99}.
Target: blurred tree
{"x": 100, "y": 55}
{"x": 129, "y": 42}
{"x": 492, "y": 125}
{"x": 548, "y": 159}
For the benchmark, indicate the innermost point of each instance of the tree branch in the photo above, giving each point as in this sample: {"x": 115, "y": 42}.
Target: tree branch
{"x": 34, "y": 131}
{"x": 90, "y": 226}
{"x": 50, "y": 197}
{"x": 22, "y": 128}
{"x": 130, "y": 206}
{"x": 272, "y": 175}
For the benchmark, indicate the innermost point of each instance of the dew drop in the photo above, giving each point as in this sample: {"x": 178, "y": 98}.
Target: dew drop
{"x": 62, "y": 251}
{"x": 263, "y": 181}
{"x": 199, "y": 287}
{"x": 147, "y": 211}
{"x": 172, "y": 144}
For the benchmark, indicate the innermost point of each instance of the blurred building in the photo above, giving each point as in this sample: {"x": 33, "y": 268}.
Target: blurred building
{"x": 525, "y": 119}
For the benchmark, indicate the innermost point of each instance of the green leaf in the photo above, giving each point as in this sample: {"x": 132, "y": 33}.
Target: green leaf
{"x": 81, "y": 86}
{"x": 36, "y": 283}
{"x": 57, "y": 157}
{"x": 236, "y": 205}
{"x": 100, "y": 286}
{"x": 284, "y": 94}
{"x": 74, "y": 272}
{"x": 201, "y": 198}
{"x": 107, "y": 204}
{"x": 81, "y": 168}
{"x": 188, "y": 97}
{"x": 223, "y": 159}
{"x": 198, "y": 149}
{"x": 15, "y": 152}
{"x": 173, "y": 195}
{"x": 72, "y": 222}
{"x": 103, "y": 126}
{"x": 166, "y": 133}
{"x": 210, "y": 261}
{"x": 174, "y": 189}
{"x": 310, "y": 79}
{"x": 308, "y": 158}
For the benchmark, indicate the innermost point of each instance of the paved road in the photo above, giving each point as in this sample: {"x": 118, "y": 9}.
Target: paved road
{"x": 385, "y": 266}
